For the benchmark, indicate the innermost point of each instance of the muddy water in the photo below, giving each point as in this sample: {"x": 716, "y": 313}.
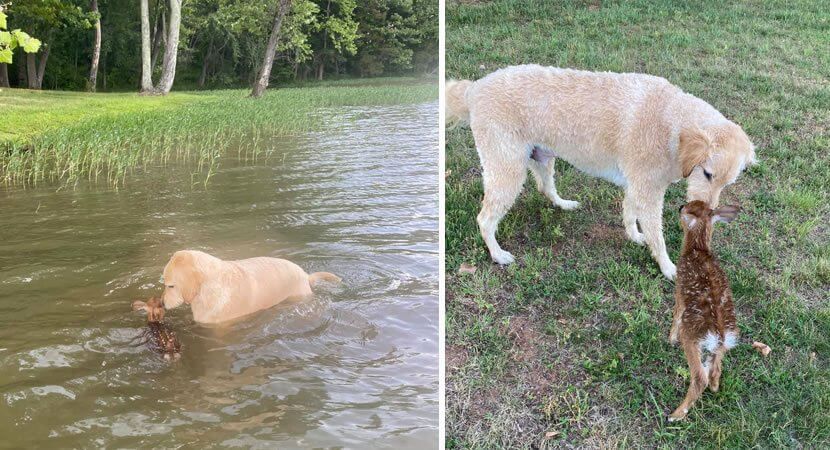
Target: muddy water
{"x": 356, "y": 363}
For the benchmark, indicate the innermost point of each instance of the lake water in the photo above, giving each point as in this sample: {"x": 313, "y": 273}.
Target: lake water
{"x": 355, "y": 364}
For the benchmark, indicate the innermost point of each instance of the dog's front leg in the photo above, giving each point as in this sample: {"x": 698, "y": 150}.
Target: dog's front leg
{"x": 649, "y": 212}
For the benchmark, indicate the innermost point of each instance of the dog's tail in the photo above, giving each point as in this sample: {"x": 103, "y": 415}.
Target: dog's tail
{"x": 323, "y": 276}
{"x": 456, "y": 98}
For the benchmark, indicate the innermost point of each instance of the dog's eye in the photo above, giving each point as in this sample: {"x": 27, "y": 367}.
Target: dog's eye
{"x": 707, "y": 174}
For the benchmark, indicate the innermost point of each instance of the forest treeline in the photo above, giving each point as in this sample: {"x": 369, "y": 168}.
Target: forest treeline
{"x": 126, "y": 44}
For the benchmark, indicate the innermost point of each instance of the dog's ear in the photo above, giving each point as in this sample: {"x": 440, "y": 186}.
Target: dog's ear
{"x": 694, "y": 149}
{"x": 726, "y": 213}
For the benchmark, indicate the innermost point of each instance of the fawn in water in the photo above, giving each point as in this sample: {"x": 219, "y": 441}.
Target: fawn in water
{"x": 704, "y": 316}
{"x": 158, "y": 335}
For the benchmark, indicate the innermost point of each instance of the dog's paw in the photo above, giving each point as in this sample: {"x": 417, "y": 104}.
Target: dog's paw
{"x": 567, "y": 204}
{"x": 503, "y": 257}
{"x": 669, "y": 271}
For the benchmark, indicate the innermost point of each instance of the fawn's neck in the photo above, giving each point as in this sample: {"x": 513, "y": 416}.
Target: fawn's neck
{"x": 696, "y": 241}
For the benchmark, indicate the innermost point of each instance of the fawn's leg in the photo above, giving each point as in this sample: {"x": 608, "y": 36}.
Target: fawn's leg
{"x": 679, "y": 306}
{"x": 715, "y": 370}
{"x": 699, "y": 379}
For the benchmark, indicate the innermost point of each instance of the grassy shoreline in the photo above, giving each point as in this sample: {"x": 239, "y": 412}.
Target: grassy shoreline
{"x": 568, "y": 347}
{"x": 54, "y": 136}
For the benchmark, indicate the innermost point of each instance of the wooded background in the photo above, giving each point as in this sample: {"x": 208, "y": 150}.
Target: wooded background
{"x": 221, "y": 43}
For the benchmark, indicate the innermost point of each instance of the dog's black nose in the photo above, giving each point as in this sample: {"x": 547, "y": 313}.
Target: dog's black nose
{"x": 681, "y": 208}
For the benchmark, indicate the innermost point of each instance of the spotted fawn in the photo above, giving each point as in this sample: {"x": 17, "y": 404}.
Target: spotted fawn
{"x": 158, "y": 335}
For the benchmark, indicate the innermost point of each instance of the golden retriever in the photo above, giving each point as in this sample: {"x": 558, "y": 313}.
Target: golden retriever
{"x": 637, "y": 131}
{"x": 219, "y": 291}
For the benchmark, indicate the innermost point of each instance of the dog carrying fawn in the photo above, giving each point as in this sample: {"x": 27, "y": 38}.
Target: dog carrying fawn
{"x": 704, "y": 316}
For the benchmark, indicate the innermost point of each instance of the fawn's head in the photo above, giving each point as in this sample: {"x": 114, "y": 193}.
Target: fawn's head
{"x": 154, "y": 308}
{"x": 697, "y": 220}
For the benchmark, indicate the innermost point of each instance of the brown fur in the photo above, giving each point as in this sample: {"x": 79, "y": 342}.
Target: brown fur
{"x": 159, "y": 336}
{"x": 703, "y": 302}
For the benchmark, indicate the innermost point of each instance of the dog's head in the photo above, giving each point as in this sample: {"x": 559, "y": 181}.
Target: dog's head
{"x": 713, "y": 158}
{"x": 154, "y": 308}
{"x": 697, "y": 220}
{"x": 183, "y": 276}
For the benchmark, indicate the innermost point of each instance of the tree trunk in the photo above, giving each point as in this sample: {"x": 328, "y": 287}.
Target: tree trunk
{"x": 96, "y": 50}
{"x": 268, "y": 61}
{"x": 158, "y": 38}
{"x": 205, "y": 62}
{"x": 21, "y": 70}
{"x": 322, "y": 67}
{"x": 168, "y": 68}
{"x": 146, "y": 70}
{"x": 31, "y": 70}
{"x": 4, "y": 75}
{"x": 41, "y": 69}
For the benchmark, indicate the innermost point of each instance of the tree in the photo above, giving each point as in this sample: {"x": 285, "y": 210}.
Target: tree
{"x": 168, "y": 68}
{"x": 96, "y": 51}
{"x": 45, "y": 17}
{"x": 270, "y": 50}
{"x": 388, "y": 34}
{"x": 9, "y": 40}
{"x": 338, "y": 28}
{"x": 146, "y": 69}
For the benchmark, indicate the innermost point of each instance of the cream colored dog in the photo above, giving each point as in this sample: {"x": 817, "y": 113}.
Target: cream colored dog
{"x": 637, "y": 131}
{"x": 218, "y": 291}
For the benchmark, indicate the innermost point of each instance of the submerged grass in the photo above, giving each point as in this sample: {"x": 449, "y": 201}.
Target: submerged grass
{"x": 51, "y": 136}
{"x": 568, "y": 347}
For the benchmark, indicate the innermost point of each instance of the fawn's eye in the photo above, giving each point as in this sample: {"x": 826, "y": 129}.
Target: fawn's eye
{"x": 707, "y": 174}
{"x": 170, "y": 286}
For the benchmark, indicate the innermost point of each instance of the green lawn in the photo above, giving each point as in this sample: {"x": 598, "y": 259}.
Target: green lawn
{"x": 51, "y": 135}
{"x": 568, "y": 347}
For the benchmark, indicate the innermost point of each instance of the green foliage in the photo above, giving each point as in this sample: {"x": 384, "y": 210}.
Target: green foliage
{"x": 9, "y": 40}
{"x": 222, "y": 41}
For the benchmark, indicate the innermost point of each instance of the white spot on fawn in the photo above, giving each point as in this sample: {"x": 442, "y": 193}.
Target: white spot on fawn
{"x": 710, "y": 342}
{"x": 730, "y": 339}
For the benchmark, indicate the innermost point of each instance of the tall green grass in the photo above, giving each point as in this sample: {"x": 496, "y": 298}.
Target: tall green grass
{"x": 48, "y": 137}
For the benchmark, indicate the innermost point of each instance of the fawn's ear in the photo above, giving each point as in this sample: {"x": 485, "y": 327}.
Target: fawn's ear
{"x": 694, "y": 149}
{"x": 139, "y": 305}
{"x": 726, "y": 213}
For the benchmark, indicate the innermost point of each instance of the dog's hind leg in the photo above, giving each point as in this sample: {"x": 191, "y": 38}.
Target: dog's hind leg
{"x": 542, "y": 162}
{"x": 504, "y": 171}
